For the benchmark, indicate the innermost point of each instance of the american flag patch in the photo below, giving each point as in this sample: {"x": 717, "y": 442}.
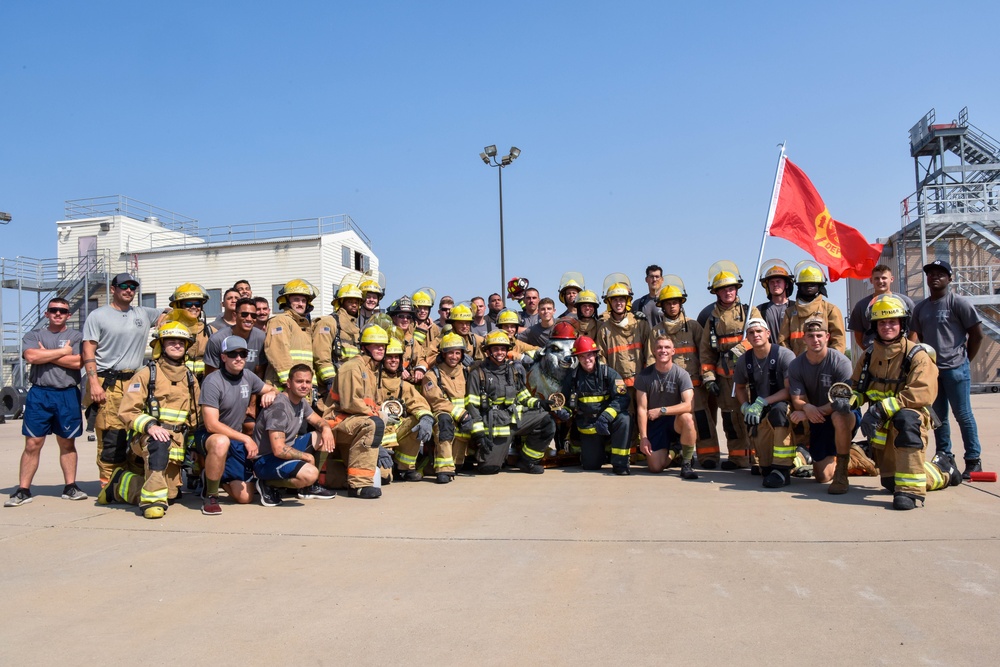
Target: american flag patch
{"x": 134, "y": 387}
{"x": 278, "y": 329}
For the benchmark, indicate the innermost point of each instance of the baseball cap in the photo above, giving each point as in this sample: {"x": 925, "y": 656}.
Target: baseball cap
{"x": 940, "y": 264}
{"x": 123, "y": 278}
{"x": 815, "y": 323}
{"x": 233, "y": 343}
{"x": 757, "y": 322}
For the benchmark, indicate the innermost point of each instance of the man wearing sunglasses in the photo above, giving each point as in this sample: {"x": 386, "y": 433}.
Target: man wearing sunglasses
{"x": 53, "y": 402}
{"x": 114, "y": 341}
{"x": 222, "y": 440}
{"x": 246, "y": 314}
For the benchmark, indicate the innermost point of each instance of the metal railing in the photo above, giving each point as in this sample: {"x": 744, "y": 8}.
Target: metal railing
{"x": 953, "y": 198}
{"x": 977, "y": 280}
{"x": 251, "y": 232}
{"x": 99, "y": 207}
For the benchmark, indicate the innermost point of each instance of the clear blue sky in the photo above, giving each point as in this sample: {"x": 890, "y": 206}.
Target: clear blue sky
{"x": 648, "y": 132}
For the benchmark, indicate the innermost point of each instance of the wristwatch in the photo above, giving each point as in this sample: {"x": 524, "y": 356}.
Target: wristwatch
{"x": 663, "y": 411}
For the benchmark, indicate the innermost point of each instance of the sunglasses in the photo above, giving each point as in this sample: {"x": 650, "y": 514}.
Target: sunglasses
{"x": 129, "y": 286}
{"x": 242, "y": 354}
{"x": 191, "y": 304}
{"x": 58, "y": 311}
{"x": 404, "y": 317}
{"x": 249, "y": 314}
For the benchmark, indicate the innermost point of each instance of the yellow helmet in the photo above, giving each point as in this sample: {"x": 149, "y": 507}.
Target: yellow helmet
{"x": 460, "y": 313}
{"x": 586, "y": 296}
{"x": 617, "y": 289}
{"x": 395, "y": 346}
{"x": 774, "y": 268}
{"x": 724, "y": 279}
{"x": 296, "y": 286}
{"x": 346, "y": 292}
{"x": 371, "y": 285}
{"x": 188, "y": 292}
{"x": 496, "y": 337}
{"x": 810, "y": 274}
{"x": 887, "y": 306}
{"x": 374, "y": 335}
{"x": 670, "y": 292}
{"x": 507, "y": 316}
{"x": 395, "y": 332}
{"x": 170, "y": 329}
{"x": 451, "y": 341}
{"x": 422, "y": 298}
{"x": 571, "y": 283}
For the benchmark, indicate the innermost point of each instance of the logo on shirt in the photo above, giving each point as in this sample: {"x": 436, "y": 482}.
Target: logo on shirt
{"x": 244, "y": 390}
{"x": 943, "y": 315}
{"x": 825, "y": 380}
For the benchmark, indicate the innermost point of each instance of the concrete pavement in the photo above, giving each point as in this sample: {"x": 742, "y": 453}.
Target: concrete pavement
{"x": 566, "y": 568}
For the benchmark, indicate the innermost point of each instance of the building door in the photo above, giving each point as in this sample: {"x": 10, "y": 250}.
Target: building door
{"x": 87, "y": 252}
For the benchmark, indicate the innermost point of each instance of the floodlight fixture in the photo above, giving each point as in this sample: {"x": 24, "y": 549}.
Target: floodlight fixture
{"x": 483, "y": 157}
{"x": 514, "y": 152}
{"x": 491, "y": 150}
{"x": 4, "y": 217}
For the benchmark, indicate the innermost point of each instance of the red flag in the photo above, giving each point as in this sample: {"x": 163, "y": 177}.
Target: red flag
{"x": 802, "y": 218}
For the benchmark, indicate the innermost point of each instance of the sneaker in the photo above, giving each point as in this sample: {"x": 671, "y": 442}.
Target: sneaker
{"x": 367, "y": 492}
{"x": 73, "y": 492}
{"x": 687, "y": 472}
{"x": 316, "y": 492}
{"x": 269, "y": 496}
{"x": 19, "y": 497}
{"x": 211, "y": 506}
{"x": 971, "y": 466}
{"x": 530, "y": 467}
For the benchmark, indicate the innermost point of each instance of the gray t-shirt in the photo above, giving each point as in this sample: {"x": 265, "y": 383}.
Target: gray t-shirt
{"x": 812, "y": 382}
{"x": 536, "y": 335}
{"x": 773, "y": 313}
{"x": 51, "y": 375}
{"x": 120, "y": 335}
{"x": 528, "y": 320}
{"x": 663, "y": 390}
{"x": 779, "y": 359}
{"x": 255, "y": 348}
{"x": 230, "y": 396}
{"x": 647, "y": 305}
{"x": 859, "y": 316}
{"x": 944, "y": 325}
{"x": 279, "y": 416}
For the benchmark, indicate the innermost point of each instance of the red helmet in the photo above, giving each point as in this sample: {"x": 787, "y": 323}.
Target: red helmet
{"x": 583, "y": 345}
{"x": 563, "y": 331}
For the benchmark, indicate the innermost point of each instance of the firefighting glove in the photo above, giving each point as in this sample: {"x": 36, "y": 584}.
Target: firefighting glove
{"x": 753, "y": 411}
{"x": 465, "y": 423}
{"x": 384, "y": 458}
{"x": 467, "y": 360}
{"x": 603, "y": 425}
{"x": 425, "y": 428}
{"x": 735, "y": 353}
{"x": 562, "y": 414}
{"x": 873, "y": 420}
{"x": 526, "y": 360}
{"x": 545, "y": 404}
{"x": 713, "y": 388}
{"x": 842, "y": 405}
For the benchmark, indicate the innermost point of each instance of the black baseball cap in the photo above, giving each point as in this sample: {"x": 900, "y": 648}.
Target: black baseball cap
{"x": 124, "y": 278}
{"x": 938, "y": 264}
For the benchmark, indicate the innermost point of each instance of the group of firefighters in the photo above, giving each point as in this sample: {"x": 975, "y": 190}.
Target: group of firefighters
{"x": 364, "y": 396}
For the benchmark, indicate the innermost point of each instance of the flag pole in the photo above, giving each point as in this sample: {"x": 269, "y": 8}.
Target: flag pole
{"x": 775, "y": 189}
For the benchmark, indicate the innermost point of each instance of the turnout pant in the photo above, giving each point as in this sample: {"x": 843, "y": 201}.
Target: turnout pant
{"x": 536, "y": 429}
{"x": 594, "y": 448}
{"x": 111, "y": 432}
{"x": 358, "y": 438}
{"x": 901, "y": 459}
{"x": 735, "y": 428}
{"x": 772, "y": 438}
{"x": 707, "y": 446}
{"x": 162, "y": 473}
{"x": 448, "y": 446}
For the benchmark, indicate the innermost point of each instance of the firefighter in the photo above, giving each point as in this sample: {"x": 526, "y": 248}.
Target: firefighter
{"x": 586, "y": 313}
{"x": 597, "y": 401}
{"x": 570, "y": 286}
{"x": 403, "y": 313}
{"x": 354, "y": 416}
{"x": 426, "y": 334}
{"x": 720, "y": 349}
{"x": 160, "y": 407}
{"x": 444, "y": 389}
{"x": 335, "y": 336}
{"x": 502, "y": 408}
{"x": 624, "y": 342}
{"x": 288, "y": 340}
{"x": 810, "y": 283}
{"x": 372, "y": 288}
{"x": 897, "y": 378}
{"x": 764, "y": 400}
{"x": 685, "y": 333}
{"x": 776, "y": 279}
{"x": 520, "y": 352}
{"x": 188, "y": 303}
{"x": 460, "y": 319}
{"x": 415, "y": 425}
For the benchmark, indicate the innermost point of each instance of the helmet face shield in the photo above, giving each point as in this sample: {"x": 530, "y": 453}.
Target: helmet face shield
{"x": 723, "y": 274}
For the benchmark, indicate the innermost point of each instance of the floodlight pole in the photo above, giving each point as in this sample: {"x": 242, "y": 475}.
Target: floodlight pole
{"x": 490, "y": 158}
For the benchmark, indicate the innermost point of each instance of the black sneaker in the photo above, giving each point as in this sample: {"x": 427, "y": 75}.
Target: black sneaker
{"x": 73, "y": 492}
{"x": 269, "y": 496}
{"x": 18, "y": 498}
{"x": 687, "y": 472}
{"x": 971, "y": 466}
{"x": 316, "y": 492}
{"x": 367, "y": 492}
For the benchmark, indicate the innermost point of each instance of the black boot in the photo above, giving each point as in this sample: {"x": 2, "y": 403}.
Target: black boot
{"x": 687, "y": 472}
{"x": 906, "y": 501}
{"x": 971, "y": 466}
{"x": 444, "y": 477}
{"x": 777, "y": 478}
{"x": 529, "y": 466}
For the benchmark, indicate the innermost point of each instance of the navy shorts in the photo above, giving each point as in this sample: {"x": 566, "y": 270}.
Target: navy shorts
{"x": 270, "y": 467}
{"x": 48, "y": 410}
{"x": 822, "y": 442}
{"x": 661, "y": 434}
{"x": 238, "y": 468}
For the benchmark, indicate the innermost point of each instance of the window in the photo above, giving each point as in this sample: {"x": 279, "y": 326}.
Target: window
{"x": 274, "y": 297}
{"x": 345, "y": 256}
{"x": 366, "y": 262}
{"x": 358, "y": 263}
{"x": 214, "y": 305}
{"x": 148, "y": 300}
